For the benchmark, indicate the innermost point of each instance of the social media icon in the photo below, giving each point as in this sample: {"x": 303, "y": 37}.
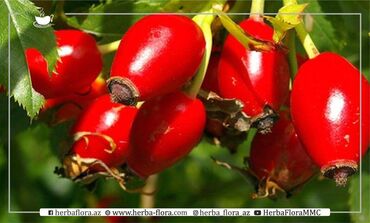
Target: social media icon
{"x": 50, "y": 212}
{"x": 257, "y": 212}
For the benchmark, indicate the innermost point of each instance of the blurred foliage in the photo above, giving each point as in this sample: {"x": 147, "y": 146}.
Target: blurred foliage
{"x": 36, "y": 148}
{"x": 23, "y": 35}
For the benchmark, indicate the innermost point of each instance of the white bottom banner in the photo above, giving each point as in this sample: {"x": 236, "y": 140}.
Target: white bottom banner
{"x": 272, "y": 212}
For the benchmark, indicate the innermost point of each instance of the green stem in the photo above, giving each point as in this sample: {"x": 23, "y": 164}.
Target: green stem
{"x": 257, "y": 9}
{"x": 292, "y": 54}
{"x": 303, "y": 36}
{"x": 306, "y": 41}
{"x": 204, "y": 22}
{"x": 109, "y": 47}
{"x": 59, "y": 10}
{"x": 237, "y": 32}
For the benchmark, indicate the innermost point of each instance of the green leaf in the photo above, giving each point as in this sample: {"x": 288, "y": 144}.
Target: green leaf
{"x": 290, "y": 14}
{"x": 346, "y": 39}
{"x": 287, "y": 18}
{"x": 321, "y": 30}
{"x": 112, "y": 27}
{"x": 280, "y": 28}
{"x": 23, "y": 35}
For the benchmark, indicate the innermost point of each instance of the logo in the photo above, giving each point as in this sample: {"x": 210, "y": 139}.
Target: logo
{"x": 43, "y": 21}
{"x": 257, "y": 212}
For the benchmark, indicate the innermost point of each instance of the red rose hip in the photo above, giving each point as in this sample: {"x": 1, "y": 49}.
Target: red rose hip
{"x": 329, "y": 114}
{"x": 210, "y": 82}
{"x": 279, "y": 160}
{"x": 165, "y": 130}
{"x": 101, "y": 133}
{"x": 256, "y": 78}
{"x": 156, "y": 56}
{"x": 79, "y": 64}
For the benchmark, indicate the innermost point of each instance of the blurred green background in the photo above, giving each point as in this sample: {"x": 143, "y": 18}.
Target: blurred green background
{"x": 35, "y": 147}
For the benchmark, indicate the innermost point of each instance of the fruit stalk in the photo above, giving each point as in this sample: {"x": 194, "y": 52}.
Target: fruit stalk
{"x": 292, "y": 57}
{"x": 204, "y": 21}
{"x": 109, "y": 47}
{"x": 303, "y": 36}
{"x": 59, "y": 10}
{"x": 237, "y": 32}
{"x": 257, "y": 9}
{"x": 148, "y": 200}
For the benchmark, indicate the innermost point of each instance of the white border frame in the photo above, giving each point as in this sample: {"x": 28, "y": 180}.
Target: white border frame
{"x": 108, "y": 14}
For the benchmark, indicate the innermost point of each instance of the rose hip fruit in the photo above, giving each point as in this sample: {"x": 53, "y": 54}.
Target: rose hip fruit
{"x": 329, "y": 114}
{"x": 279, "y": 160}
{"x": 156, "y": 56}
{"x": 165, "y": 130}
{"x": 101, "y": 133}
{"x": 79, "y": 64}
{"x": 210, "y": 82}
{"x": 256, "y": 78}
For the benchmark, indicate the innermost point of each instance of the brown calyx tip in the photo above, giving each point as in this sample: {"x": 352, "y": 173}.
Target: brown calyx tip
{"x": 71, "y": 168}
{"x": 123, "y": 91}
{"x": 74, "y": 166}
{"x": 268, "y": 188}
{"x": 264, "y": 125}
{"x": 340, "y": 173}
{"x": 265, "y": 121}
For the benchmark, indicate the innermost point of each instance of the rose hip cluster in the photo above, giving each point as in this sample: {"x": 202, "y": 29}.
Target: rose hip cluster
{"x": 320, "y": 120}
{"x": 316, "y": 124}
{"x": 155, "y": 59}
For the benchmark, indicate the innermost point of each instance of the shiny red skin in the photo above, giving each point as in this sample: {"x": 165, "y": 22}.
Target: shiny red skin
{"x": 159, "y": 54}
{"x": 265, "y": 74}
{"x": 325, "y": 107}
{"x": 70, "y": 106}
{"x": 165, "y": 130}
{"x": 281, "y": 156}
{"x": 79, "y": 64}
{"x": 106, "y": 118}
{"x": 232, "y": 85}
{"x": 210, "y": 82}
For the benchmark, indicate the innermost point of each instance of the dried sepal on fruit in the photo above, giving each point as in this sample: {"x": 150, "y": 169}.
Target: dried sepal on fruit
{"x": 278, "y": 163}
{"x": 230, "y": 113}
{"x": 222, "y": 136}
{"x": 279, "y": 160}
{"x": 260, "y": 79}
{"x": 101, "y": 141}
